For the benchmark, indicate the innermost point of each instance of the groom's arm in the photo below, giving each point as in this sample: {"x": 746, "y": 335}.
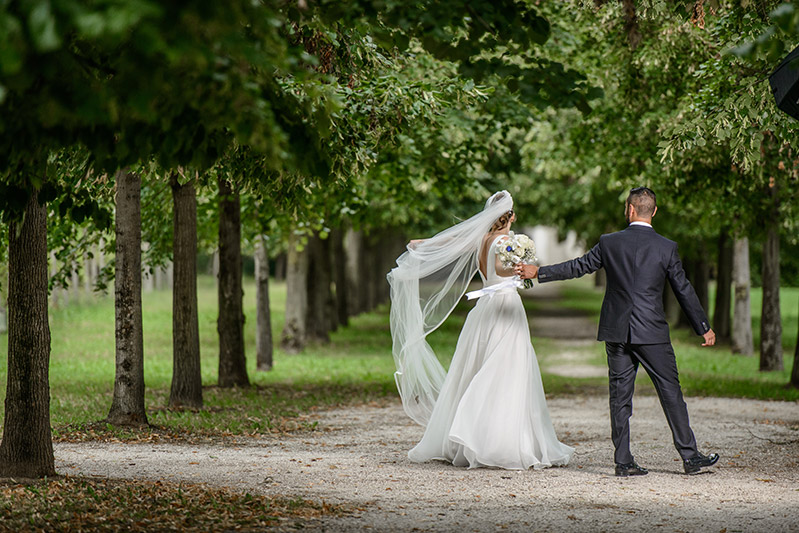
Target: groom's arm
{"x": 590, "y": 262}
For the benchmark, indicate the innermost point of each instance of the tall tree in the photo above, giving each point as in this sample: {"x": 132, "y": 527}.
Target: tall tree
{"x": 318, "y": 321}
{"x": 230, "y": 323}
{"x": 264, "y": 346}
{"x": 26, "y": 449}
{"x": 770, "y": 322}
{"x": 127, "y": 404}
{"x": 294, "y": 335}
{"x": 721, "y": 313}
{"x": 187, "y": 383}
{"x": 340, "y": 276}
{"x": 742, "y": 341}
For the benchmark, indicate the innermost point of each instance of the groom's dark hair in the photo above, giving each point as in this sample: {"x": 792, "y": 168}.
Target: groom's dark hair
{"x": 644, "y": 201}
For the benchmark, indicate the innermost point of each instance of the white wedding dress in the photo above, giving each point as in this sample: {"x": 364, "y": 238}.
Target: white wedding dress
{"x": 491, "y": 410}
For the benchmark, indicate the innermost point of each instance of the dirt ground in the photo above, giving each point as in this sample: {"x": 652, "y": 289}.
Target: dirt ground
{"x": 357, "y": 456}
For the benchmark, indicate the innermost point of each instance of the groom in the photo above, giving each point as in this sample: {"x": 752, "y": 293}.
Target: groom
{"x": 638, "y": 262}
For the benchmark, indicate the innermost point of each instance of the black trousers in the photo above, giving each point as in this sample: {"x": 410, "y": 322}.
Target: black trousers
{"x": 661, "y": 365}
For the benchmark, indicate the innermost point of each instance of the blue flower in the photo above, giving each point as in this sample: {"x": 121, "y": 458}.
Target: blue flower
{"x": 509, "y": 248}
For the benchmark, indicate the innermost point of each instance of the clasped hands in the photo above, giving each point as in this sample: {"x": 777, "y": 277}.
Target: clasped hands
{"x": 526, "y": 271}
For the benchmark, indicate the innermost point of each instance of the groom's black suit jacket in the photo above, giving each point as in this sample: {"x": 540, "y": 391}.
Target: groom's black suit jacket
{"x": 637, "y": 261}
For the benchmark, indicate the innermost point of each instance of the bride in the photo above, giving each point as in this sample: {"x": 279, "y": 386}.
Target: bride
{"x": 489, "y": 409}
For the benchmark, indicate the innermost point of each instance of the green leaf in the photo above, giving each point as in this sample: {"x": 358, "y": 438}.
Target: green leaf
{"x": 10, "y": 44}
{"x": 743, "y": 50}
{"x": 782, "y": 16}
{"x": 42, "y": 25}
{"x": 582, "y": 105}
{"x": 594, "y": 93}
{"x": 401, "y": 41}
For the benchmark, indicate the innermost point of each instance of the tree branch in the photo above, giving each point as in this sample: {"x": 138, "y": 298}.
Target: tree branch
{"x": 631, "y": 23}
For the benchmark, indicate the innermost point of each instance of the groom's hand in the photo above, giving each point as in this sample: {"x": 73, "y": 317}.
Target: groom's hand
{"x": 710, "y": 338}
{"x": 526, "y": 271}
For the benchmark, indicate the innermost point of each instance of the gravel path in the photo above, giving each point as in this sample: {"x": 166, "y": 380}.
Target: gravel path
{"x": 358, "y": 456}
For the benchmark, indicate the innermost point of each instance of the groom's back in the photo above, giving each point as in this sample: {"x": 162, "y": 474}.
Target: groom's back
{"x": 636, "y": 261}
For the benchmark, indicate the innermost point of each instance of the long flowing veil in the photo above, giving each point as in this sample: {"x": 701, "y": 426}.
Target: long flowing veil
{"x": 428, "y": 281}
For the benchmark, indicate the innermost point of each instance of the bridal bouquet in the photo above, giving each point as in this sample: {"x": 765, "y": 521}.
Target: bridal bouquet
{"x": 518, "y": 248}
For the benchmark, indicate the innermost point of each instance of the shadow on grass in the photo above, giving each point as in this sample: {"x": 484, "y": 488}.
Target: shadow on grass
{"x": 91, "y": 504}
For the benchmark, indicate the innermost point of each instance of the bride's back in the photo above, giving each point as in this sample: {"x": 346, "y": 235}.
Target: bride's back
{"x": 490, "y": 271}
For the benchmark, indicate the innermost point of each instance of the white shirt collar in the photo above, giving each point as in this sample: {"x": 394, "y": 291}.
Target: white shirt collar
{"x": 639, "y": 223}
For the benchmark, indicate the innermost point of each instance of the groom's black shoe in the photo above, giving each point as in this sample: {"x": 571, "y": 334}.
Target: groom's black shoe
{"x": 630, "y": 469}
{"x": 695, "y": 464}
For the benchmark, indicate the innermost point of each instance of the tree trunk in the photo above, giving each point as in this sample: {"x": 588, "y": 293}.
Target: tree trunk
{"x": 742, "y": 342}
{"x": 340, "y": 277}
{"x": 293, "y": 338}
{"x": 329, "y": 296}
{"x": 356, "y": 293}
{"x": 383, "y": 250}
{"x": 88, "y": 270}
{"x": 321, "y": 318}
{"x": 631, "y": 23}
{"x": 367, "y": 266}
{"x": 215, "y": 264}
{"x": 230, "y": 325}
{"x": 721, "y": 313}
{"x": 187, "y": 384}
{"x": 263, "y": 337}
{"x": 280, "y": 267}
{"x": 27, "y": 448}
{"x": 770, "y": 323}
{"x": 315, "y": 327}
{"x": 162, "y": 281}
{"x": 127, "y": 406}
{"x": 148, "y": 274}
{"x": 74, "y": 283}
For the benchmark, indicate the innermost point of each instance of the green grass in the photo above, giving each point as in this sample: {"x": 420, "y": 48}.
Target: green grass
{"x": 355, "y": 367}
{"x": 719, "y": 372}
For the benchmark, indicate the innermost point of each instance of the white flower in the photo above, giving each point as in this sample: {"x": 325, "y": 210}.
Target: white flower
{"x": 517, "y": 248}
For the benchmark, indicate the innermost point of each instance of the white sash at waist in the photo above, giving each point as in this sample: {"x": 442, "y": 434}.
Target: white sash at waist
{"x": 509, "y": 285}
